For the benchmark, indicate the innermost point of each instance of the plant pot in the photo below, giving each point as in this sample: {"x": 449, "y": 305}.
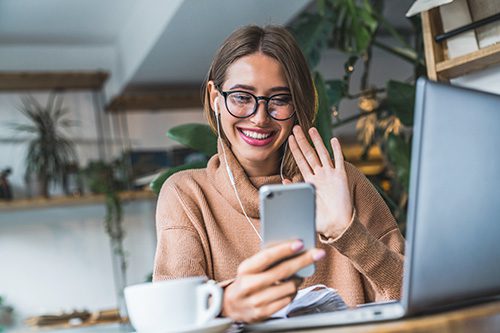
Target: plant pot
{"x": 36, "y": 187}
{"x": 6, "y": 316}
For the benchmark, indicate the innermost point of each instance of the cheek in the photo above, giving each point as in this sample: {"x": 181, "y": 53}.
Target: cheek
{"x": 287, "y": 127}
{"x": 227, "y": 126}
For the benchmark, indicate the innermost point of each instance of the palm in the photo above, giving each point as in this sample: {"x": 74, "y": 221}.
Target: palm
{"x": 334, "y": 207}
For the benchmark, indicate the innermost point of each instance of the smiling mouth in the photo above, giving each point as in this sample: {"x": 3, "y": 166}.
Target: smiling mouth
{"x": 256, "y": 135}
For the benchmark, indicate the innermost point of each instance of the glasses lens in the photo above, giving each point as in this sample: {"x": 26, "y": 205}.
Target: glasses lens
{"x": 240, "y": 104}
{"x": 281, "y": 107}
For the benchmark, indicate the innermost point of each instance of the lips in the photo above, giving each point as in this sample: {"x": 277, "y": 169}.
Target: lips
{"x": 256, "y": 137}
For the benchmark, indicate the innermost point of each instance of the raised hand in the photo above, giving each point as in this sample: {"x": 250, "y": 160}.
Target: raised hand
{"x": 333, "y": 199}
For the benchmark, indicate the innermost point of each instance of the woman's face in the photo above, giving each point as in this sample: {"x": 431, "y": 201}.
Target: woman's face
{"x": 255, "y": 141}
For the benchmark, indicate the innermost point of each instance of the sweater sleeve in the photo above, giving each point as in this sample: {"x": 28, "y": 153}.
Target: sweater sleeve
{"x": 372, "y": 241}
{"x": 179, "y": 250}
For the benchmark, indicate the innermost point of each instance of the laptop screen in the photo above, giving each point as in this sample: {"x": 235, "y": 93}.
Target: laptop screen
{"x": 453, "y": 252}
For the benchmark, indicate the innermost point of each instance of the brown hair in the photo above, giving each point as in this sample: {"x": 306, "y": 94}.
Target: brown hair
{"x": 278, "y": 43}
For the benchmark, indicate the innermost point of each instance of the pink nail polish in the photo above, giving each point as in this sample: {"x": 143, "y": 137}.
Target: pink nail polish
{"x": 318, "y": 255}
{"x": 297, "y": 245}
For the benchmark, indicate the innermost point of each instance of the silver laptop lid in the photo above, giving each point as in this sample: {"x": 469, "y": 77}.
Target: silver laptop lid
{"x": 453, "y": 251}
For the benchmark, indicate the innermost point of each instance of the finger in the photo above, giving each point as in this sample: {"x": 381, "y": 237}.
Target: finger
{"x": 265, "y": 258}
{"x": 307, "y": 150}
{"x": 337, "y": 154}
{"x": 323, "y": 154}
{"x": 286, "y": 181}
{"x": 272, "y": 294}
{"x": 267, "y": 310}
{"x": 290, "y": 267}
{"x": 301, "y": 161}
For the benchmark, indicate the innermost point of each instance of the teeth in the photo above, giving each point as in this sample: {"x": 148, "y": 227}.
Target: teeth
{"x": 255, "y": 135}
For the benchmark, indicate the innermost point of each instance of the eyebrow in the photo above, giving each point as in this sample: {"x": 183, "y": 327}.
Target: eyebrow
{"x": 251, "y": 88}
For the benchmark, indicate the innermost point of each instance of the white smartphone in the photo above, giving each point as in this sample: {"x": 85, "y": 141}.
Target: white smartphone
{"x": 289, "y": 212}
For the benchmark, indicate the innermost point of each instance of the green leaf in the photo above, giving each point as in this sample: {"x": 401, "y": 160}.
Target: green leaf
{"x": 157, "y": 183}
{"x": 354, "y": 25}
{"x": 406, "y": 54}
{"x": 196, "y": 136}
{"x": 401, "y": 100}
{"x": 335, "y": 90}
{"x": 312, "y": 33}
{"x": 323, "y": 118}
{"x": 399, "y": 155}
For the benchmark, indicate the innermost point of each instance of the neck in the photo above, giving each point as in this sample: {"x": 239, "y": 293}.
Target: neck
{"x": 266, "y": 167}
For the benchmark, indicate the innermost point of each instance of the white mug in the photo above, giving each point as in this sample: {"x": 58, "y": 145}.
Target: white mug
{"x": 173, "y": 305}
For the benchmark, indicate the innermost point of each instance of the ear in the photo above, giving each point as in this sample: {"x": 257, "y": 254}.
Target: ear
{"x": 213, "y": 93}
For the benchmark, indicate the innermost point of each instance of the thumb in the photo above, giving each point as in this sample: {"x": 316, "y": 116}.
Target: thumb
{"x": 286, "y": 181}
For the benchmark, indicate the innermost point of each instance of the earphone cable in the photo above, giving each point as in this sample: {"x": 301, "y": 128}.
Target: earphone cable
{"x": 230, "y": 175}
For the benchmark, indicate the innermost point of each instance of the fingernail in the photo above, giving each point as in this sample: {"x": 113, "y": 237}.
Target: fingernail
{"x": 318, "y": 254}
{"x": 297, "y": 245}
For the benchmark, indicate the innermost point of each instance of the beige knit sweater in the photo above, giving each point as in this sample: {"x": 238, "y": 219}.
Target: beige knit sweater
{"x": 201, "y": 230}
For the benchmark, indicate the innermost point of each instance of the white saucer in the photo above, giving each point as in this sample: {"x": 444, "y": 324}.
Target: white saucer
{"x": 217, "y": 325}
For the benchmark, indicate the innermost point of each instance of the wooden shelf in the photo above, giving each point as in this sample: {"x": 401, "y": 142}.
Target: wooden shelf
{"x": 468, "y": 63}
{"x": 10, "y": 81}
{"x": 28, "y": 204}
{"x": 156, "y": 98}
{"x": 439, "y": 67}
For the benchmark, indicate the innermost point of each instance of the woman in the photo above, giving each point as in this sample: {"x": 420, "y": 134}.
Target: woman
{"x": 259, "y": 95}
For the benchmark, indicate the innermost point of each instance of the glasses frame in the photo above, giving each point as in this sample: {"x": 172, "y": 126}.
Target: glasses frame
{"x": 257, "y": 99}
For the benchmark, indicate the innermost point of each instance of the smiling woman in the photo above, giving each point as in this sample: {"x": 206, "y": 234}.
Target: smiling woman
{"x": 260, "y": 100}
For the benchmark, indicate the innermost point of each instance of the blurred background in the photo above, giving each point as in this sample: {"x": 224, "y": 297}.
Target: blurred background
{"x": 89, "y": 89}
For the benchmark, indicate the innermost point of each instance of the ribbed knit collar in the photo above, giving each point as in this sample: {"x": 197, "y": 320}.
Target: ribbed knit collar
{"x": 248, "y": 187}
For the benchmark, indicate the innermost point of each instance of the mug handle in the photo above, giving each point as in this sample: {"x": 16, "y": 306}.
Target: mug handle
{"x": 204, "y": 311}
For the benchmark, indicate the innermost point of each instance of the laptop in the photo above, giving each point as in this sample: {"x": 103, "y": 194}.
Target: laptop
{"x": 452, "y": 246}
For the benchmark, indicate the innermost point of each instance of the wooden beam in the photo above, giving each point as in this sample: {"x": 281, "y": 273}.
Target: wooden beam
{"x": 156, "y": 98}
{"x": 434, "y": 52}
{"x": 15, "y": 81}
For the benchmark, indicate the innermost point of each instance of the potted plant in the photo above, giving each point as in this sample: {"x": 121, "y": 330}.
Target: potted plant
{"x": 49, "y": 151}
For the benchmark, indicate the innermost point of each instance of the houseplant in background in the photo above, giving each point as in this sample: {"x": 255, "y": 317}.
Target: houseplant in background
{"x": 195, "y": 136}
{"x": 101, "y": 179}
{"x": 385, "y": 115}
{"x": 49, "y": 151}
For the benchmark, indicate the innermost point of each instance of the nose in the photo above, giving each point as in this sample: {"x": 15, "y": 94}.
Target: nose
{"x": 261, "y": 116}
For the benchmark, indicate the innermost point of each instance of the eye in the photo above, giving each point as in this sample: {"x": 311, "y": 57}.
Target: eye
{"x": 282, "y": 100}
{"x": 241, "y": 98}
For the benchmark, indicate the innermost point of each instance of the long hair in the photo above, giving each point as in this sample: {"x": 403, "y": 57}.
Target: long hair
{"x": 277, "y": 43}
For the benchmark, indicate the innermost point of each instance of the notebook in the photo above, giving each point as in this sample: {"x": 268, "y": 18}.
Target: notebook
{"x": 452, "y": 247}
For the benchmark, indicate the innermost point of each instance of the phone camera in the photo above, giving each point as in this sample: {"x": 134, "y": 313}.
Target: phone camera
{"x": 270, "y": 195}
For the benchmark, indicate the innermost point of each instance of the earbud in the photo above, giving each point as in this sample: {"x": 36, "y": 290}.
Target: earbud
{"x": 216, "y": 107}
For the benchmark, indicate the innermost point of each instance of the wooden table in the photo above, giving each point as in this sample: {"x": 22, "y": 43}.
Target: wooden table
{"x": 474, "y": 319}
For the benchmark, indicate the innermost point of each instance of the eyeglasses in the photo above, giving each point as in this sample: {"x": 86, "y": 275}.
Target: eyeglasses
{"x": 242, "y": 104}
